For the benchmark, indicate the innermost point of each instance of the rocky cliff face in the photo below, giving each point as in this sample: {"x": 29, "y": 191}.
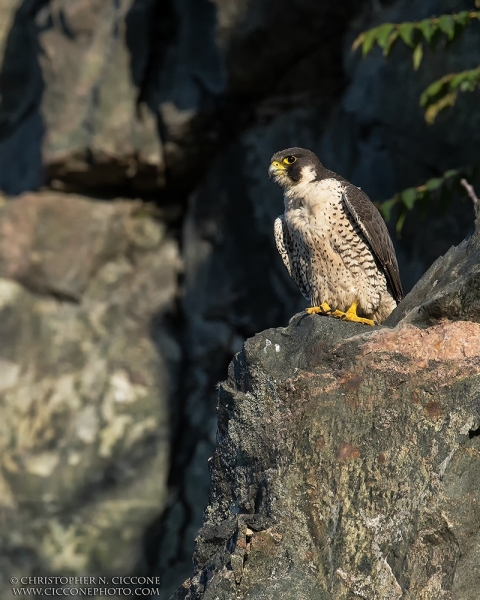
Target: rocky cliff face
{"x": 84, "y": 382}
{"x": 347, "y": 460}
{"x": 142, "y": 256}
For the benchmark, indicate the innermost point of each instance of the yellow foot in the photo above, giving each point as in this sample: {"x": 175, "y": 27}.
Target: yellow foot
{"x": 351, "y": 315}
{"x": 323, "y": 309}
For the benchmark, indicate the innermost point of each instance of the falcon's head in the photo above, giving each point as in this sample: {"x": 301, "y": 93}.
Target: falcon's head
{"x": 293, "y": 166}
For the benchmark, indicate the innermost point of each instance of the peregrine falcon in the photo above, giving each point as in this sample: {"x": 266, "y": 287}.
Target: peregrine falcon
{"x": 334, "y": 242}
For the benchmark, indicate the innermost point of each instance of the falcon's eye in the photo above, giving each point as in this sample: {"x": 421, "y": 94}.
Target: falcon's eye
{"x": 289, "y": 160}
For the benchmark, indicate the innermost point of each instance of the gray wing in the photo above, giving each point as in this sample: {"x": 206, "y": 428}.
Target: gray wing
{"x": 286, "y": 249}
{"x": 376, "y": 233}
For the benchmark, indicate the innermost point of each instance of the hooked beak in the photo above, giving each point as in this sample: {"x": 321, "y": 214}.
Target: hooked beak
{"x": 275, "y": 168}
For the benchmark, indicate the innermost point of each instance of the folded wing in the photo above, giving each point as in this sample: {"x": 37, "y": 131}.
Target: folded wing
{"x": 376, "y": 234}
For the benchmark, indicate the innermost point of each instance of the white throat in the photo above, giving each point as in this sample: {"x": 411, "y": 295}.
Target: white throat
{"x": 313, "y": 196}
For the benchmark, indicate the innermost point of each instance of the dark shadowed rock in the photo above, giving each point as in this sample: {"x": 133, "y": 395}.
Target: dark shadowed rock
{"x": 142, "y": 93}
{"x": 227, "y": 57}
{"x": 449, "y": 289}
{"x": 69, "y": 65}
{"x": 347, "y": 460}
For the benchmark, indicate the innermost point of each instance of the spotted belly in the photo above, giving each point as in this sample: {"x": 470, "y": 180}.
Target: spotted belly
{"x": 339, "y": 269}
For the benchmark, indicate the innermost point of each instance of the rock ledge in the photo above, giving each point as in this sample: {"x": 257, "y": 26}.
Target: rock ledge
{"x": 347, "y": 462}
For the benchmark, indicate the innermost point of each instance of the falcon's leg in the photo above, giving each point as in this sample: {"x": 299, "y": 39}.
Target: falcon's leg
{"x": 351, "y": 315}
{"x": 323, "y": 309}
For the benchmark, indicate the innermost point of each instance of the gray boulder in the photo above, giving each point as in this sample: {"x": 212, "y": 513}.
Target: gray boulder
{"x": 347, "y": 459}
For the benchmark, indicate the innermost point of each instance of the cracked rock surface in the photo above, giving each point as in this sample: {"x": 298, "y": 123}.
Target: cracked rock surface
{"x": 348, "y": 459}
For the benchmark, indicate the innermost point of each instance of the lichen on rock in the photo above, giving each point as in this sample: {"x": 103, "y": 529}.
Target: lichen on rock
{"x": 83, "y": 387}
